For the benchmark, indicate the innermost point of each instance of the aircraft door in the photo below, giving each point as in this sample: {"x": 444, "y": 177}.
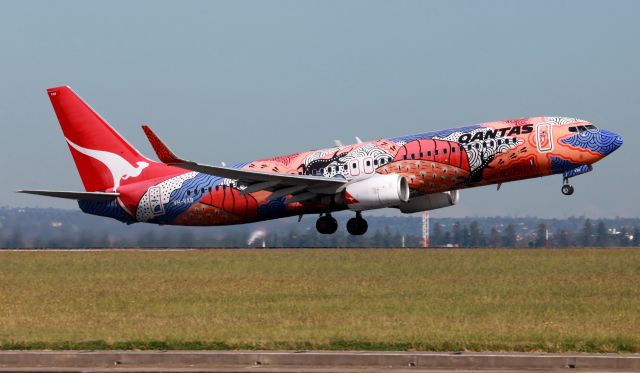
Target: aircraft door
{"x": 544, "y": 137}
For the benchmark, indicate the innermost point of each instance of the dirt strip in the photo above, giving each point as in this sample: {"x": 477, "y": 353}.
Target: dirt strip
{"x": 313, "y": 361}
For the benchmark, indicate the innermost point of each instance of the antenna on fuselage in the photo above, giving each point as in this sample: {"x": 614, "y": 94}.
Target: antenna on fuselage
{"x": 358, "y": 140}
{"x": 337, "y": 142}
{"x": 223, "y": 164}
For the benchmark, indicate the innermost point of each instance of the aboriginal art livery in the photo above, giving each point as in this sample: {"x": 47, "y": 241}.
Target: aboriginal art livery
{"x": 410, "y": 173}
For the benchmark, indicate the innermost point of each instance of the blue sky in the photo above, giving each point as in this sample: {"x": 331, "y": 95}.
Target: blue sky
{"x": 234, "y": 81}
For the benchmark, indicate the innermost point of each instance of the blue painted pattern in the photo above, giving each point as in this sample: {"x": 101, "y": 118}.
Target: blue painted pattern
{"x": 599, "y": 141}
{"x": 109, "y": 209}
{"x": 577, "y": 171}
{"x": 272, "y": 209}
{"x": 559, "y": 165}
{"x": 190, "y": 193}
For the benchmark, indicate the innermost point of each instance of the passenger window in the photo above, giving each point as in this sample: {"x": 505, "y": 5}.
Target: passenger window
{"x": 375, "y": 162}
{"x": 484, "y": 144}
{"x": 491, "y": 143}
{"x": 405, "y": 157}
{"x": 453, "y": 149}
{"x": 209, "y": 189}
{"x": 217, "y": 187}
{"x": 354, "y": 165}
{"x": 477, "y": 146}
{"x": 188, "y": 192}
{"x": 429, "y": 153}
{"x": 413, "y": 156}
{"x": 368, "y": 162}
{"x": 435, "y": 152}
{"x": 499, "y": 142}
{"x": 421, "y": 155}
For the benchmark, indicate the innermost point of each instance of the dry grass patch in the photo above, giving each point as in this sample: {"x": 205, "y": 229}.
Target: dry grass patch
{"x": 518, "y": 300}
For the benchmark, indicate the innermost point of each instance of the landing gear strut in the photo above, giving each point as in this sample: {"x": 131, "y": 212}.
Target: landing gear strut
{"x": 357, "y": 226}
{"x": 567, "y": 189}
{"x": 326, "y": 224}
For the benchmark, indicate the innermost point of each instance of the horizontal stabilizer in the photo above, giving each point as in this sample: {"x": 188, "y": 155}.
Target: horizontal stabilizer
{"x": 80, "y": 196}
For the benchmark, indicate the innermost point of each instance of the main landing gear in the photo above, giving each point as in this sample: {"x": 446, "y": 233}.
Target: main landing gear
{"x": 327, "y": 224}
{"x": 567, "y": 189}
{"x": 357, "y": 226}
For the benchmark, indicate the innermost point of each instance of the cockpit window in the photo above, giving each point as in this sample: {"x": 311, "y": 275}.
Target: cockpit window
{"x": 582, "y": 128}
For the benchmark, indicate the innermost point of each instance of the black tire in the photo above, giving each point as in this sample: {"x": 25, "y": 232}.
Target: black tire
{"x": 357, "y": 226}
{"x": 327, "y": 225}
{"x": 567, "y": 190}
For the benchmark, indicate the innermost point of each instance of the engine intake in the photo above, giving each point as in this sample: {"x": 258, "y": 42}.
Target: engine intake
{"x": 376, "y": 192}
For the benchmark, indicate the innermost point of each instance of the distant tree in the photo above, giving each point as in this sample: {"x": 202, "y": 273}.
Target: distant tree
{"x": 636, "y": 236}
{"x": 437, "y": 235}
{"x": 509, "y": 236}
{"x": 495, "y": 240}
{"x": 457, "y": 234}
{"x": 623, "y": 239}
{"x": 562, "y": 238}
{"x": 587, "y": 234}
{"x": 446, "y": 238}
{"x": 541, "y": 235}
{"x": 602, "y": 236}
{"x": 465, "y": 236}
{"x": 476, "y": 236}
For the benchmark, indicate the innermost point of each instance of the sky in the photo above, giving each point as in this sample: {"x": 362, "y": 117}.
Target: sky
{"x": 235, "y": 81}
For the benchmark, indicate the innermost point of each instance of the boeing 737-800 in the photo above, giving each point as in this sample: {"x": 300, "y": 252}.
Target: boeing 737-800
{"x": 410, "y": 173}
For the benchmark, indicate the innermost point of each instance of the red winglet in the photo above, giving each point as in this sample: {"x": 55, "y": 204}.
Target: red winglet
{"x": 162, "y": 151}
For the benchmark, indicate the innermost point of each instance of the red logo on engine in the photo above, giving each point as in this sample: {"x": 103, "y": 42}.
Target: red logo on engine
{"x": 349, "y": 198}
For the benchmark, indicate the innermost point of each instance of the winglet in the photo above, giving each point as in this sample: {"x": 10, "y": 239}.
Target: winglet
{"x": 162, "y": 151}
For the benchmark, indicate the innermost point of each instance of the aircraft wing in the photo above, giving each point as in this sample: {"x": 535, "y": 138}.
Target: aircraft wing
{"x": 80, "y": 196}
{"x": 302, "y": 187}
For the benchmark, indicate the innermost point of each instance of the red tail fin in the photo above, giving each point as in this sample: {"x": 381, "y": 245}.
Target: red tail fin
{"x": 102, "y": 156}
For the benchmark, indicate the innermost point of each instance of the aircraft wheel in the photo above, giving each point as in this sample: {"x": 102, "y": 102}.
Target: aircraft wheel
{"x": 357, "y": 226}
{"x": 567, "y": 189}
{"x": 327, "y": 224}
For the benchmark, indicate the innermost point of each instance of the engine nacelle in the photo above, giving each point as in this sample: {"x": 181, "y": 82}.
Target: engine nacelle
{"x": 376, "y": 192}
{"x": 430, "y": 202}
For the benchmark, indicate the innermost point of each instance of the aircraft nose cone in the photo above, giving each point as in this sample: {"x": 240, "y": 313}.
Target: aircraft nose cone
{"x": 609, "y": 141}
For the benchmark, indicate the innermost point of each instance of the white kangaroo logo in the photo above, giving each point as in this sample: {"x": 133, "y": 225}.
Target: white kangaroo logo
{"x": 120, "y": 168}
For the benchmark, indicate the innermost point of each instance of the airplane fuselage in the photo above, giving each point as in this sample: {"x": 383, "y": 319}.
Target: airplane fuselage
{"x": 432, "y": 162}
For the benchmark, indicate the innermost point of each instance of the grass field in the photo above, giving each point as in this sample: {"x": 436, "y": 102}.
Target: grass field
{"x": 502, "y": 300}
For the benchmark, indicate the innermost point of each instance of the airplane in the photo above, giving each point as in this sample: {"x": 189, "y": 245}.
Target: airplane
{"x": 410, "y": 173}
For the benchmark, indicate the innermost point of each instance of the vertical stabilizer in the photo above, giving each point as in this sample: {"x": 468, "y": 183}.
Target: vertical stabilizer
{"x": 103, "y": 158}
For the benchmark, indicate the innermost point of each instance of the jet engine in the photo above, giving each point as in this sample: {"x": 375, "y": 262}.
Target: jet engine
{"x": 376, "y": 192}
{"x": 430, "y": 202}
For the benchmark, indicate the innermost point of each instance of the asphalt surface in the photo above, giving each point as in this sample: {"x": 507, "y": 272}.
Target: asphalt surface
{"x": 309, "y": 361}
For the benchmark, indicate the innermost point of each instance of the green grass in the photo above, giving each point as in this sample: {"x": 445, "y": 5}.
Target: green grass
{"x": 442, "y": 300}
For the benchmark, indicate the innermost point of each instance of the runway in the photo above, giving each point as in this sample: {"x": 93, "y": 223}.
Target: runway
{"x": 308, "y": 361}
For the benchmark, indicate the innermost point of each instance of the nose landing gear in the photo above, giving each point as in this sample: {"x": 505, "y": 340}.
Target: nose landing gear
{"x": 567, "y": 189}
{"x": 357, "y": 226}
{"x": 327, "y": 224}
